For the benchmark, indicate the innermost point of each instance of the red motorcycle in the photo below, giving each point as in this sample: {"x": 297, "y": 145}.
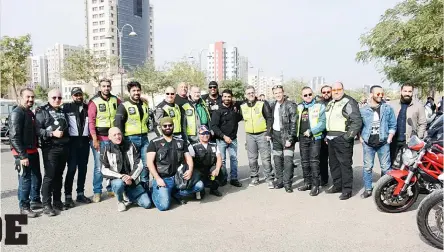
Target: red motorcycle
{"x": 398, "y": 190}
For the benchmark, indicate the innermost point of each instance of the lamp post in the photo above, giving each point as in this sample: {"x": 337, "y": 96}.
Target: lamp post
{"x": 121, "y": 69}
{"x": 200, "y": 57}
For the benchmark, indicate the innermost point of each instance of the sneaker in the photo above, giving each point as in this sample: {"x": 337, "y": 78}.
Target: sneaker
{"x": 28, "y": 212}
{"x": 111, "y": 194}
{"x": 198, "y": 197}
{"x": 216, "y": 193}
{"x": 48, "y": 210}
{"x": 366, "y": 194}
{"x": 235, "y": 183}
{"x": 121, "y": 207}
{"x": 58, "y": 205}
{"x": 334, "y": 189}
{"x": 125, "y": 198}
{"x": 83, "y": 199}
{"x": 254, "y": 182}
{"x": 69, "y": 203}
{"x": 270, "y": 185}
{"x": 97, "y": 197}
{"x": 36, "y": 205}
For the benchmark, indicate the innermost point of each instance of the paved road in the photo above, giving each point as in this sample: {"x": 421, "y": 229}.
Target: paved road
{"x": 245, "y": 219}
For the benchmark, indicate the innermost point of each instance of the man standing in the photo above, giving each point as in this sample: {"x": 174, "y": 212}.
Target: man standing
{"x": 411, "y": 120}
{"x": 53, "y": 129}
{"x": 182, "y": 94}
{"x": 23, "y": 139}
{"x": 258, "y": 122}
{"x": 213, "y": 98}
{"x": 169, "y": 108}
{"x": 343, "y": 124}
{"x": 284, "y": 138}
{"x": 379, "y": 127}
{"x": 132, "y": 120}
{"x": 207, "y": 160}
{"x": 196, "y": 115}
{"x": 122, "y": 165}
{"x": 77, "y": 112}
{"x": 101, "y": 112}
{"x": 310, "y": 126}
{"x": 166, "y": 154}
{"x": 225, "y": 122}
{"x": 323, "y": 165}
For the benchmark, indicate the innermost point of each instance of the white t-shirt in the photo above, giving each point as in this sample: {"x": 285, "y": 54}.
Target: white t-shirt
{"x": 193, "y": 154}
{"x": 277, "y": 118}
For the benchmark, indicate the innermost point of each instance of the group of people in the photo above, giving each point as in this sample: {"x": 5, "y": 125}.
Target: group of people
{"x": 194, "y": 135}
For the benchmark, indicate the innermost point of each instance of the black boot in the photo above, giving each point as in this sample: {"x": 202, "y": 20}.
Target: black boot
{"x": 69, "y": 203}
{"x": 28, "y": 211}
{"x": 366, "y": 194}
{"x": 36, "y": 205}
{"x": 304, "y": 187}
{"x": 314, "y": 191}
{"x": 48, "y": 210}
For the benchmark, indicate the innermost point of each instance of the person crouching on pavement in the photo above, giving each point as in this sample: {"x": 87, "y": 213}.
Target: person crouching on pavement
{"x": 122, "y": 164}
{"x": 165, "y": 155}
{"x": 207, "y": 160}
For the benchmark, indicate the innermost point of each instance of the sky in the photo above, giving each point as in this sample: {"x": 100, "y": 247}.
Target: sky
{"x": 299, "y": 38}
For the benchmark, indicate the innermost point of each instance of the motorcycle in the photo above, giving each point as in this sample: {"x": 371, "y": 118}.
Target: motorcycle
{"x": 398, "y": 190}
{"x": 433, "y": 202}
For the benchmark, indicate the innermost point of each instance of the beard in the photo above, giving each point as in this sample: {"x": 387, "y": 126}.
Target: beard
{"x": 406, "y": 99}
{"x": 167, "y": 132}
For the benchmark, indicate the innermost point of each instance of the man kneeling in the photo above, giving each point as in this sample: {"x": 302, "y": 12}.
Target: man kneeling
{"x": 165, "y": 155}
{"x": 122, "y": 164}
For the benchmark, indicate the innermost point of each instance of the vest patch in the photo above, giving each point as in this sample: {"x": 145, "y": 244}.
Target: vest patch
{"x": 213, "y": 149}
{"x": 132, "y": 110}
{"x": 171, "y": 112}
{"x": 102, "y": 107}
{"x": 189, "y": 112}
{"x": 179, "y": 145}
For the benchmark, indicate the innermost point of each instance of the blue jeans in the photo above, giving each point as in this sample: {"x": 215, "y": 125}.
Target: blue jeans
{"x": 369, "y": 159}
{"x": 162, "y": 195}
{"x": 97, "y": 174}
{"x": 134, "y": 193}
{"x": 141, "y": 142}
{"x": 30, "y": 182}
{"x": 232, "y": 152}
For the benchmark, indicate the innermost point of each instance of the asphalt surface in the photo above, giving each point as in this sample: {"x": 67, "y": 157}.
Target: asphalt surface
{"x": 244, "y": 219}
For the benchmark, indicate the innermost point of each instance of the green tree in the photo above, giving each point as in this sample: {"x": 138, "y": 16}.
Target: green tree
{"x": 84, "y": 66}
{"x": 182, "y": 71}
{"x": 408, "y": 44}
{"x": 41, "y": 93}
{"x": 236, "y": 86}
{"x": 152, "y": 81}
{"x": 13, "y": 62}
{"x": 293, "y": 89}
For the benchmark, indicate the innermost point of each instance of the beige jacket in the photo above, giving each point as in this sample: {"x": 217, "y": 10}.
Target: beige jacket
{"x": 416, "y": 119}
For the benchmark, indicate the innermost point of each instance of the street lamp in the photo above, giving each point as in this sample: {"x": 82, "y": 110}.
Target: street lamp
{"x": 200, "y": 57}
{"x": 120, "y": 34}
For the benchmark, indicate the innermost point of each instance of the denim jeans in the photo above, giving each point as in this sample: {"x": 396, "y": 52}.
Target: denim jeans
{"x": 369, "y": 159}
{"x": 232, "y": 152}
{"x": 162, "y": 195}
{"x": 30, "y": 182}
{"x": 134, "y": 193}
{"x": 77, "y": 160}
{"x": 97, "y": 174}
{"x": 141, "y": 142}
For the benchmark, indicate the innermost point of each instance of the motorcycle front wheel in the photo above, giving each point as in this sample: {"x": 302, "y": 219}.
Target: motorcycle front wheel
{"x": 389, "y": 203}
{"x": 433, "y": 234}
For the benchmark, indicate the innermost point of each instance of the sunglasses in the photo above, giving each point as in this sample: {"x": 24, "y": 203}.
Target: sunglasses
{"x": 78, "y": 95}
{"x": 337, "y": 90}
{"x": 206, "y": 133}
{"x": 380, "y": 94}
{"x": 169, "y": 93}
{"x": 310, "y": 94}
{"x": 57, "y": 98}
{"x": 165, "y": 126}
{"x": 212, "y": 87}
{"x": 326, "y": 92}
{"x": 277, "y": 86}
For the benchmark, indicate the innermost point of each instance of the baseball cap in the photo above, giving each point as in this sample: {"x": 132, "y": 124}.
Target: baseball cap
{"x": 213, "y": 84}
{"x": 76, "y": 90}
{"x": 165, "y": 120}
{"x": 203, "y": 128}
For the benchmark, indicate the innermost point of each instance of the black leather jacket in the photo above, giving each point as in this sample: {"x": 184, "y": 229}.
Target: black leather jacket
{"x": 48, "y": 119}
{"x": 22, "y": 133}
{"x": 288, "y": 118}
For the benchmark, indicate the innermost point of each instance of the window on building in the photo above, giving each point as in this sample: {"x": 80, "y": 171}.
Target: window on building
{"x": 101, "y": 7}
{"x": 95, "y": 23}
{"x": 102, "y": 37}
{"x": 95, "y": 37}
{"x": 102, "y": 1}
{"x": 101, "y": 15}
{"x": 138, "y": 7}
{"x": 102, "y": 44}
{"x": 103, "y": 29}
{"x": 95, "y": 16}
{"x": 95, "y": 8}
{"x": 112, "y": 51}
{"x": 112, "y": 29}
{"x": 94, "y": 1}
{"x": 95, "y": 30}
{"x": 102, "y": 22}
{"x": 112, "y": 22}
{"x": 112, "y": 15}
{"x": 112, "y": 8}
{"x": 96, "y": 45}
{"x": 112, "y": 44}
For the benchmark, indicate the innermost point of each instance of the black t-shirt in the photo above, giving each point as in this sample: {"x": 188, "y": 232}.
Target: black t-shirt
{"x": 373, "y": 140}
{"x": 171, "y": 149}
{"x": 179, "y": 100}
{"x": 305, "y": 122}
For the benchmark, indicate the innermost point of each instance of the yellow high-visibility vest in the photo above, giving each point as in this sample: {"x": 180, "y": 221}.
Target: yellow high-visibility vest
{"x": 174, "y": 113}
{"x": 133, "y": 124}
{"x": 254, "y": 119}
{"x": 313, "y": 116}
{"x": 335, "y": 119}
{"x": 193, "y": 121}
{"x": 106, "y": 111}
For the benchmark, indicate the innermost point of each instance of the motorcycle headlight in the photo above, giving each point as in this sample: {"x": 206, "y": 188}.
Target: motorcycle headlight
{"x": 408, "y": 157}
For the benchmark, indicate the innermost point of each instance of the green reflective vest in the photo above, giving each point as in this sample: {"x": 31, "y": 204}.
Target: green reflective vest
{"x": 313, "y": 116}
{"x": 193, "y": 121}
{"x": 254, "y": 119}
{"x": 174, "y": 113}
{"x": 106, "y": 111}
{"x": 133, "y": 124}
{"x": 335, "y": 119}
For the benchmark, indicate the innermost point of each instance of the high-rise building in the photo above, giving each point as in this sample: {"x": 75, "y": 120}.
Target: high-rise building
{"x": 316, "y": 83}
{"x": 243, "y": 69}
{"x": 39, "y": 71}
{"x": 104, "y": 18}
{"x": 264, "y": 84}
{"x": 56, "y": 56}
{"x": 151, "y": 45}
{"x": 223, "y": 62}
